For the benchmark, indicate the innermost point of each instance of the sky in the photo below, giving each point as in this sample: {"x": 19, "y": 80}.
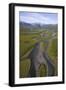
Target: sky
{"x": 38, "y": 17}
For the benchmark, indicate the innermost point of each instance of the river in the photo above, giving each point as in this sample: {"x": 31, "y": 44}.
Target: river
{"x": 38, "y": 57}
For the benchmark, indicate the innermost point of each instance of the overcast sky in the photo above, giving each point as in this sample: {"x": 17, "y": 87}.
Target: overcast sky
{"x": 36, "y": 17}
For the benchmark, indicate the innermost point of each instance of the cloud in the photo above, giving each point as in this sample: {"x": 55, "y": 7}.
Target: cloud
{"x": 41, "y": 18}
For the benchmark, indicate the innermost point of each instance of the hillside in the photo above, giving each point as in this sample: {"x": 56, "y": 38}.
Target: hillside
{"x": 28, "y": 27}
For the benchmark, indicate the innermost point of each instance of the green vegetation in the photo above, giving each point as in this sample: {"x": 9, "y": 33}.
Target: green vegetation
{"x": 27, "y": 42}
{"x": 52, "y": 50}
{"x": 42, "y": 70}
{"x": 53, "y": 54}
{"x": 24, "y": 68}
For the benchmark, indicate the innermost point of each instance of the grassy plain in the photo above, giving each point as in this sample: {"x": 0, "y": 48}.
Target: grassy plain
{"x": 27, "y": 42}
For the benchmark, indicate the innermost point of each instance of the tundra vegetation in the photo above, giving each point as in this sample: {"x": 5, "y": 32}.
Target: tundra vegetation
{"x": 46, "y": 35}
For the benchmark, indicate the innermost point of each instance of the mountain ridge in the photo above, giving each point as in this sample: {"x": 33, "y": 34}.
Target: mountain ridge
{"x": 32, "y": 26}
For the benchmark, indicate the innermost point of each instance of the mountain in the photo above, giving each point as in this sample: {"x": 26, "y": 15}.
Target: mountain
{"x": 28, "y": 25}
{"x": 35, "y": 26}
